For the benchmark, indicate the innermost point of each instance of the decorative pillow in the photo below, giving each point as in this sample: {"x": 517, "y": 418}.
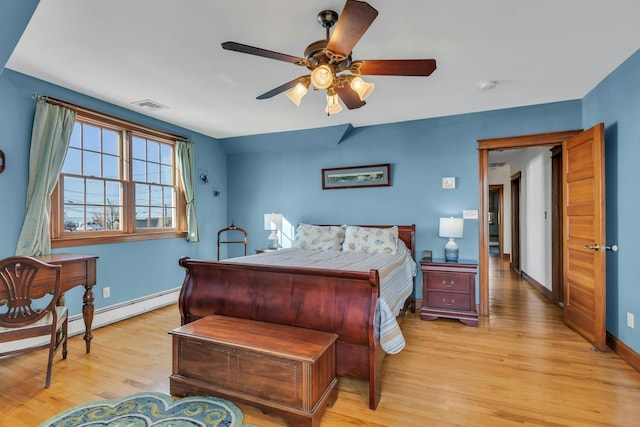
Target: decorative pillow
{"x": 371, "y": 240}
{"x": 319, "y": 237}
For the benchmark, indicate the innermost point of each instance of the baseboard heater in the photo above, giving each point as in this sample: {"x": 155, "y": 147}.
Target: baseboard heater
{"x": 125, "y": 310}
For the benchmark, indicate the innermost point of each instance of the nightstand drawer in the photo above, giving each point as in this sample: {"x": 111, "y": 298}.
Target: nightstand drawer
{"x": 448, "y": 282}
{"x": 449, "y": 300}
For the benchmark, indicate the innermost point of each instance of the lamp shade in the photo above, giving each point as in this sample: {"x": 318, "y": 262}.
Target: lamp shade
{"x": 296, "y": 94}
{"x": 333, "y": 105}
{"x": 451, "y": 227}
{"x": 273, "y": 221}
{"x": 322, "y": 77}
{"x": 362, "y": 88}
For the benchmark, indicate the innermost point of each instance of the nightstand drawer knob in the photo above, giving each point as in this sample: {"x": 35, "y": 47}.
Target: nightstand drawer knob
{"x": 448, "y": 285}
{"x": 444, "y": 301}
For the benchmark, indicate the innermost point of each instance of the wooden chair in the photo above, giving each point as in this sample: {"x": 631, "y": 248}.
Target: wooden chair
{"x": 29, "y": 291}
{"x": 231, "y": 228}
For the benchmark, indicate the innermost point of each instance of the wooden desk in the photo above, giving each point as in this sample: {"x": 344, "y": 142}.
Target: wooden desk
{"x": 77, "y": 270}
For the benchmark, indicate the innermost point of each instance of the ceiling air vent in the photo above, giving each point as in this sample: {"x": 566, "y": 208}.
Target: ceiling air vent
{"x": 496, "y": 165}
{"x": 149, "y": 104}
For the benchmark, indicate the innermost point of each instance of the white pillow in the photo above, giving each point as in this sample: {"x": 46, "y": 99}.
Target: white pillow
{"x": 371, "y": 240}
{"x": 319, "y": 237}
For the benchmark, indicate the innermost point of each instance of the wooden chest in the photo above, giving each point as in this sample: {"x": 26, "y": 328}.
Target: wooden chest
{"x": 280, "y": 369}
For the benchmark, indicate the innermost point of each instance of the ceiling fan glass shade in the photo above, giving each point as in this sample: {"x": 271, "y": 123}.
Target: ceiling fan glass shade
{"x": 362, "y": 88}
{"x": 297, "y": 93}
{"x": 333, "y": 105}
{"x": 322, "y": 77}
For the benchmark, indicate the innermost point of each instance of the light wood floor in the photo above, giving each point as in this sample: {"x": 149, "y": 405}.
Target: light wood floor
{"x": 520, "y": 367}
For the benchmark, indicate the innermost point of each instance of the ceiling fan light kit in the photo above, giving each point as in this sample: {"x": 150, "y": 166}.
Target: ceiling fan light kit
{"x": 332, "y": 68}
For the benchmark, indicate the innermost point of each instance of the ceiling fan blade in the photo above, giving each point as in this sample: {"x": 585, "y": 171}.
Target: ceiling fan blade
{"x": 284, "y": 87}
{"x": 394, "y": 67}
{"x": 349, "y": 96}
{"x": 243, "y": 48}
{"x": 355, "y": 19}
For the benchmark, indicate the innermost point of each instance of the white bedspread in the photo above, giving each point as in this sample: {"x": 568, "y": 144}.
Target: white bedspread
{"x": 396, "y": 280}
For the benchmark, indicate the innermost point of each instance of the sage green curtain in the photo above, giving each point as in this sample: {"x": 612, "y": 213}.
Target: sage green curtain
{"x": 52, "y": 127}
{"x": 185, "y": 160}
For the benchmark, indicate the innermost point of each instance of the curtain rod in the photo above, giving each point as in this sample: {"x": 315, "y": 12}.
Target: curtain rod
{"x": 77, "y": 108}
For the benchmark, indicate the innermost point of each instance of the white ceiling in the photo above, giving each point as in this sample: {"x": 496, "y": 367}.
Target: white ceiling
{"x": 122, "y": 51}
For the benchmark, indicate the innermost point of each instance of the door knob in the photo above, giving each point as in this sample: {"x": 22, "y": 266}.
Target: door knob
{"x": 596, "y": 247}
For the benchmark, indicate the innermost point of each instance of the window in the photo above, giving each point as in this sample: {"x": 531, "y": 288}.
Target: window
{"x": 118, "y": 182}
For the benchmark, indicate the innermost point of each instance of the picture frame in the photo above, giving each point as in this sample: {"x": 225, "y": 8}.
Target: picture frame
{"x": 356, "y": 176}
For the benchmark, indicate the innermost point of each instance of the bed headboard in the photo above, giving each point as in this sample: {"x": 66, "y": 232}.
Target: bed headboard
{"x": 406, "y": 233}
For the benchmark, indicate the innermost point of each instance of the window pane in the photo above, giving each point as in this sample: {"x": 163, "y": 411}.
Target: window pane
{"x": 75, "y": 135}
{"x": 139, "y": 171}
{"x": 110, "y": 167}
{"x": 165, "y": 175}
{"x": 139, "y": 148}
{"x": 156, "y": 219}
{"x": 73, "y": 191}
{"x": 110, "y": 142}
{"x": 153, "y": 151}
{"x": 142, "y": 195}
{"x": 73, "y": 216}
{"x": 170, "y": 214}
{"x": 90, "y": 137}
{"x": 166, "y": 154}
{"x": 142, "y": 217}
{"x": 113, "y": 193}
{"x": 95, "y": 218}
{"x": 168, "y": 198}
{"x": 156, "y": 195}
{"x": 95, "y": 192}
{"x": 90, "y": 163}
{"x": 72, "y": 161}
{"x": 112, "y": 221}
{"x": 153, "y": 173}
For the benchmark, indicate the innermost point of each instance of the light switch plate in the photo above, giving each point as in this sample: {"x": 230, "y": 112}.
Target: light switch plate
{"x": 448, "y": 183}
{"x": 470, "y": 214}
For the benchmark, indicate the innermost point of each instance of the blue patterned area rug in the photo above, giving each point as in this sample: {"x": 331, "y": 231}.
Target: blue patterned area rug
{"x": 151, "y": 409}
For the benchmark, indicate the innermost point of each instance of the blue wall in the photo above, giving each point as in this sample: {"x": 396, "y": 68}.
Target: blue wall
{"x": 616, "y": 103}
{"x": 287, "y": 178}
{"x": 134, "y": 269}
{"x": 14, "y": 17}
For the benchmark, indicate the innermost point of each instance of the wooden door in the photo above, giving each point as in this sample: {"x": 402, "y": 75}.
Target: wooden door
{"x": 515, "y": 222}
{"x": 584, "y": 255}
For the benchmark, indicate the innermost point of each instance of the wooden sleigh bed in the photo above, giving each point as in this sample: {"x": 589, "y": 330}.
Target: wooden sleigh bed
{"x": 337, "y": 301}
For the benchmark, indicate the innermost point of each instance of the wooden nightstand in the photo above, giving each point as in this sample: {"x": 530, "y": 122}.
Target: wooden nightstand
{"x": 449, "y": 290}
{"x": 263, "y": 250}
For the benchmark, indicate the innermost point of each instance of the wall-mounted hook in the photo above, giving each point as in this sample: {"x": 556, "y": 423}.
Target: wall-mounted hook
{"x": 216, "y": 192}
{"x": 204, "y": 178}
{"x": 2, "y": 161}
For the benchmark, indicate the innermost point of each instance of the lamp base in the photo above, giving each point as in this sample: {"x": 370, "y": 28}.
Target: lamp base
{"x": 451, "y": 251}
{"x": 272, "y": 242}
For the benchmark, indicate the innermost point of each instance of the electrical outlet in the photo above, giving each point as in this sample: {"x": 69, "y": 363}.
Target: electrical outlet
{"x": 470, "y": 214}
{"x": 630, "y": 320}
{"x": 106, "y": 292}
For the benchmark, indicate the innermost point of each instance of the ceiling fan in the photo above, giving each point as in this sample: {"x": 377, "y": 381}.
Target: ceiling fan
{"x": 330, "y": 62}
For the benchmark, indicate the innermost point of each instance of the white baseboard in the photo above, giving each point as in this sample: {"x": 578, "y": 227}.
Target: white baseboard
{"x": 105, "y": 316}
{"x": 117, "y": 312}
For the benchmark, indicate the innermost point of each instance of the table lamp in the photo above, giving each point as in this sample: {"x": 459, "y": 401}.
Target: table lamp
{"x": 451, "y": 228}
{"x": 273, "y": 223}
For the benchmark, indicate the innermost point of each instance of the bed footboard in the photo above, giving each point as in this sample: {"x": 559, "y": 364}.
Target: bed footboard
{"x": 327, "y": 300}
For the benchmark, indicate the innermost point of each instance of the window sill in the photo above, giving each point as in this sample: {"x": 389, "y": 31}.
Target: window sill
{"x": 87, "y": 240}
